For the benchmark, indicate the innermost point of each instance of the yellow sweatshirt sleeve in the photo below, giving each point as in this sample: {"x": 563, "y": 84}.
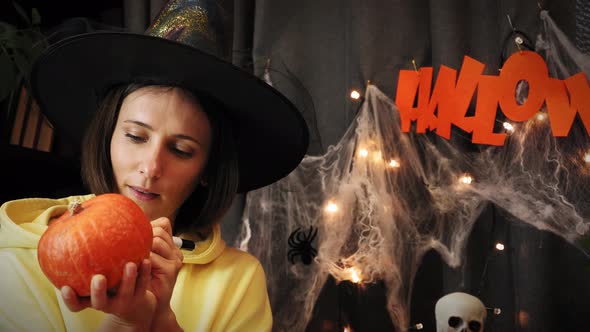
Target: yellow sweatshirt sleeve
{"x": 254, "y": 313}
{"x": 28, "y": 301}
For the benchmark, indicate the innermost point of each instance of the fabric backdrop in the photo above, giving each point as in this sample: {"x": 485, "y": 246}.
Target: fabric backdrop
{"x": 317, "y": 51}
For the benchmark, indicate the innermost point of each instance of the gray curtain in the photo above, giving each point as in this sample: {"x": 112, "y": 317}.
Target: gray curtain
{"x": 317, "y": 51}
{"x": 583, "y": 25}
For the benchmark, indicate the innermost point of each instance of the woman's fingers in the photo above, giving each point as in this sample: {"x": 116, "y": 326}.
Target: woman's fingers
{"x": 162, "y": 228}
{"x": 164, "y": 223}
{"x": 98, "y": 292}
{"x": 144, "y": 278}
{"x": 72, "y": 301}
{"x": 168, "y": 266}
{"x": 161, "y": 240}
{"x": 134, "y": 284}
{"x": 166, "y": 250}
{"x": 126, "y": 290}
{"x": 163, "y": 245}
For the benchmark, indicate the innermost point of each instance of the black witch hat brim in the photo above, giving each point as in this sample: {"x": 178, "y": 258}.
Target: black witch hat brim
{"x": 68, "y": 79}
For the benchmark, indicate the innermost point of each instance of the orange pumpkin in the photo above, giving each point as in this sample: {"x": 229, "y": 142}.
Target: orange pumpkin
{"x": 98, "y": 236}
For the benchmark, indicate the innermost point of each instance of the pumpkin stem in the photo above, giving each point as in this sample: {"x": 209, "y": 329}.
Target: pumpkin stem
{"x": 74, "y": 207}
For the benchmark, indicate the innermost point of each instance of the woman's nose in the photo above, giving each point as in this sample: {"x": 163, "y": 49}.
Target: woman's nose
{"x": 152, "y": 164}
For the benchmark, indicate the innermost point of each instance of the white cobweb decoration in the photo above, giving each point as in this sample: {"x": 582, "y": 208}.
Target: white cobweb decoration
{"x": 381, "y": 199}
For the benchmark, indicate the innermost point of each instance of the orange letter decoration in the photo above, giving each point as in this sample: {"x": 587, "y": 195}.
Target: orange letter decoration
{"x": 453, "y": 100}
{"x": 485, "y": 112}
{"x": 410, "y": 82}
{"x": 523, "y": 66}
{"x": 562, "y": 110}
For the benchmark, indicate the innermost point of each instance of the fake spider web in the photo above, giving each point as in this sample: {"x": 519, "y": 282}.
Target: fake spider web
{"x": 386, "y": 217}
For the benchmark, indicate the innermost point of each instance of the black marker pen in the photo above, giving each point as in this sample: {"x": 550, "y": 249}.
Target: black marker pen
{"x": 183, "y": 244}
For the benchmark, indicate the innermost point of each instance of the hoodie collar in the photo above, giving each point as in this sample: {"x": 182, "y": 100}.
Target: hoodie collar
{"x": 207, "y": 250}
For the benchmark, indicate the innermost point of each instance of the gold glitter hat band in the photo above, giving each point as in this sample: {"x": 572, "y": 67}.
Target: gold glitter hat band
{"x": 196, "y": 23}
{"x": 181, "y": 48}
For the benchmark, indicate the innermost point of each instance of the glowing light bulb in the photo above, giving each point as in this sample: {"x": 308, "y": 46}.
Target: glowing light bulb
{"x": 523, "y": 318}
{"x": 587, "y": 157}
{"x": 363, "y": 153}
{"x": 508, "y": 126}
{"x": 541, "y": 116}
{"x": 499, "y": 246}
{"x": 466, "y": 179}
{"x": 416, "y": 327}
{"x": 354, "y": 275}
{"x": 332, "y": 207}
{"x": 393, "y": 163}
{"x": 355, "y": 95}
{"x": 495, "y": 311}
{"x": 347, "y": 329}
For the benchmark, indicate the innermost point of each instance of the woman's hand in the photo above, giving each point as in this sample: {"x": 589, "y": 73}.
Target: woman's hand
{"x": 166, "y": 261}
{"x": 132, "y": 306}
{"x": 142, "y": 298}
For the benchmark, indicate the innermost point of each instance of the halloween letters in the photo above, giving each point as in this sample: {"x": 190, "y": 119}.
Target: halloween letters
{"x": 451, "y": 97}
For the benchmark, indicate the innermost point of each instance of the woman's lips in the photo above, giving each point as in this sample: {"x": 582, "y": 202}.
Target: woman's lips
{"x": 142, "y": 194}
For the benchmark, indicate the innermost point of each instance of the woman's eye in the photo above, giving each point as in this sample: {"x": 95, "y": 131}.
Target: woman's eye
{"x": 135, "y": 139}
{"x": 182, "y": 153}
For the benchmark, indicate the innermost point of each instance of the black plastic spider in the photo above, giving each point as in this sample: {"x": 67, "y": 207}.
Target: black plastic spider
{"x": 300, "y": 244}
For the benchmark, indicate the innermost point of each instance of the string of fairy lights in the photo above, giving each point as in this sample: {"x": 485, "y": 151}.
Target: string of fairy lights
{"x": 332, "y": 207}
{"x": 353, "y": 274}
{"x": 509, "y": 127}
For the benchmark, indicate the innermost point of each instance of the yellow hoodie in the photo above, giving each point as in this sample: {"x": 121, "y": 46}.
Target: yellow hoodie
{"x": 218, "y": 288}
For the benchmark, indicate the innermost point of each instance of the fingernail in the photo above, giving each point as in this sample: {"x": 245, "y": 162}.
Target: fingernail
{"x": 96, "y": 281}
{"x": 130, "y": 269}
{"x": 65, "y": 293}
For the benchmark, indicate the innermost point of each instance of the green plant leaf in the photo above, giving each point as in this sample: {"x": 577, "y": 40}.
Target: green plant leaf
{"x": 35, "y": 17}
{"x": 21, "y": 12}
{"x": 22, "y": 62}
{"x": 8, "y": 38}
{"x": 18, "y": 50}
{"x": 7, "y": 31}
{"x": 23, "y": 41}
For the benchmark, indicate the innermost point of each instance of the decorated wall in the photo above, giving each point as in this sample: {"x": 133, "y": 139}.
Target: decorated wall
{"x": 449, "y": 154}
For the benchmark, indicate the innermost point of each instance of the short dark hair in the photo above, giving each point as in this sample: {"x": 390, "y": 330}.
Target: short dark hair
{"x": 207, "y": 204}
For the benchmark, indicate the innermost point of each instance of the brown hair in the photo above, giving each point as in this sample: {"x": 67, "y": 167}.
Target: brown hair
{"x": 207, "y": 204}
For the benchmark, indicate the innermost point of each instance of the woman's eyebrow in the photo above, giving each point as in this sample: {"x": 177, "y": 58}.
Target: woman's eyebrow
{"x": 145, "y": 125}
{"x": 181, "y": 136}
{"x": 139, "y": 123}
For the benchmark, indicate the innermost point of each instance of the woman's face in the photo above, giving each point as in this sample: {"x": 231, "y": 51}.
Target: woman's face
{"x": 159, "y": 149}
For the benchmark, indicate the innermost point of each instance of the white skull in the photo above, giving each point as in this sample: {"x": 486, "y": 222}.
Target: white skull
{"x": 459, "y": 312}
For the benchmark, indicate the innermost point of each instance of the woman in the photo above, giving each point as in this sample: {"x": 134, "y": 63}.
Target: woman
{"x": 179, "y": 132}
